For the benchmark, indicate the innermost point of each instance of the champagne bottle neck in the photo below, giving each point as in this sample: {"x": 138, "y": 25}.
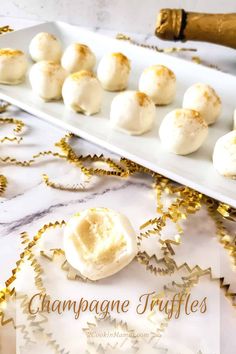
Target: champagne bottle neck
{"x": 181, "y": 25}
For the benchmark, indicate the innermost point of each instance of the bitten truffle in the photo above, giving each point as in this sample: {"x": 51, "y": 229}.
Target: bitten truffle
{"x": 99, "y": 242}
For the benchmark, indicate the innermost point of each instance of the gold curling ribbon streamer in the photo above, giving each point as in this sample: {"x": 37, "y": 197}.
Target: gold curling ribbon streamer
{"x": 6, "y": 293}
{"x": 5, "y": 29}
{"x": 226, "y": 211}
{"x": 19, "y": 124}
{"x": 6, "y": 138}
{"x": 225, "y": 238}
{"x": 74, "y": 188}
{"x": 3, "y": 184}
{"x": 37, "y": 324}
{"x": 13, "y": 161}
{"x": 124, "y": 37}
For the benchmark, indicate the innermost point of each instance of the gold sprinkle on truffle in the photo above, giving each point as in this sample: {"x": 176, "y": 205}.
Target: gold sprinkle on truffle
{"x": 143, "y": 99}
{"x": 210, "y": 94}
{"x": 192, "y": 114}
{"x": 82, "y": 49}
{"x": 10, "y": 52}
{"x": 81, "y": 74}
{"x": 50, "y": 67}
{"x": 161, "y": 70}
{"x": 122, "y": 59}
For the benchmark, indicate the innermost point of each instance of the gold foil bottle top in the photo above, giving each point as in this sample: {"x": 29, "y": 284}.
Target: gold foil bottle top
{"x": 177, "y": 24}
{"x": 169, "y": 24}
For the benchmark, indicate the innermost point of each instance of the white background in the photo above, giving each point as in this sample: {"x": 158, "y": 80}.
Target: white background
{"x": 122, "y": 15}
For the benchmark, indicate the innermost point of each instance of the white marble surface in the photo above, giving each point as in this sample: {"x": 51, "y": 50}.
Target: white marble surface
{"x": 28, "y": 203}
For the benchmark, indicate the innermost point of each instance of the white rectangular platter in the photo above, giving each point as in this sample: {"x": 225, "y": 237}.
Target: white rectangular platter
{"x": 195, "y": 170}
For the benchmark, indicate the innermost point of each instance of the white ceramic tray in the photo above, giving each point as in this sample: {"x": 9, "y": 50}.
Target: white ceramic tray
{"x": 195, "y": 170}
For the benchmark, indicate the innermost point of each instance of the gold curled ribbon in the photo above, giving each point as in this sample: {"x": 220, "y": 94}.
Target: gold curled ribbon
{"x": 19, "y": 124}
{"x": 18, "y": 128}
{"x": 3, "y": 184}
{"x": 74, "y": 188}
{"x": 124, "y": 37}
{"x": 9, "y": 292}
{"x": 5, "y": 29}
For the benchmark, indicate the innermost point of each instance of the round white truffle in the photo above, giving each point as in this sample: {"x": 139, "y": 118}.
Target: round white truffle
{"x": 78, "y": 57}
{"x": 46, "y": 79}
{"x": 204, "y": 99}
{"x": 13, "y": 66}
{"x": 99, "y": 242}
{"x": 82, "y": 92}
{"x": 45, "y": 46}
{"x": 113, "y": 72}
{"x": 132, "y": 112}
{"x": 158, "y": 82}
{"x": 183, "y": 131}
{"x": 224, "y": 155}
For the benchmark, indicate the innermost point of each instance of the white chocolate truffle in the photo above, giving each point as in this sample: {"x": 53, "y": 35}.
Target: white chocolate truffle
{"x": 45, "y": 46}
{"x": 224, "y": 155}
{"x": 158, "y": 82}
{"x": 183, "y": 131}
{"x": 46, "y": 79}
{"x": 82, "y": 92}
{"x": 113, "y": 72}
{"x": 234, "y": 120}
{"x": 99, "y": 242}
{"x": 78, "y": 57}
{"x": 13, "y": 66}
{"x": 204, "y": 99}
{"x": 132, "y": 112}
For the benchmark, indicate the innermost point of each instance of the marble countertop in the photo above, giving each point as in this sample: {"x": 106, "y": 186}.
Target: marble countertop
{"x": 28, "y": 203}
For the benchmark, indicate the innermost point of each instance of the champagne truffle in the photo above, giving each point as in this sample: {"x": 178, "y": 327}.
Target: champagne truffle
{"x": 78, "y": 57}
{"x": 224, "y": 155}
{"x": 13, "y": 66}
{"x": 82, "y": 92}
{"x": 183, "y": 131}
{"x": 45, "y": 46}
{"x": 204, "y": 99}
{"x": 113, "y": 72}
{"x": 46, "y": 79}
{"x": 99, "y": 242}
{"x": 158, "y": 82}
{"x": 132, "y": 112}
